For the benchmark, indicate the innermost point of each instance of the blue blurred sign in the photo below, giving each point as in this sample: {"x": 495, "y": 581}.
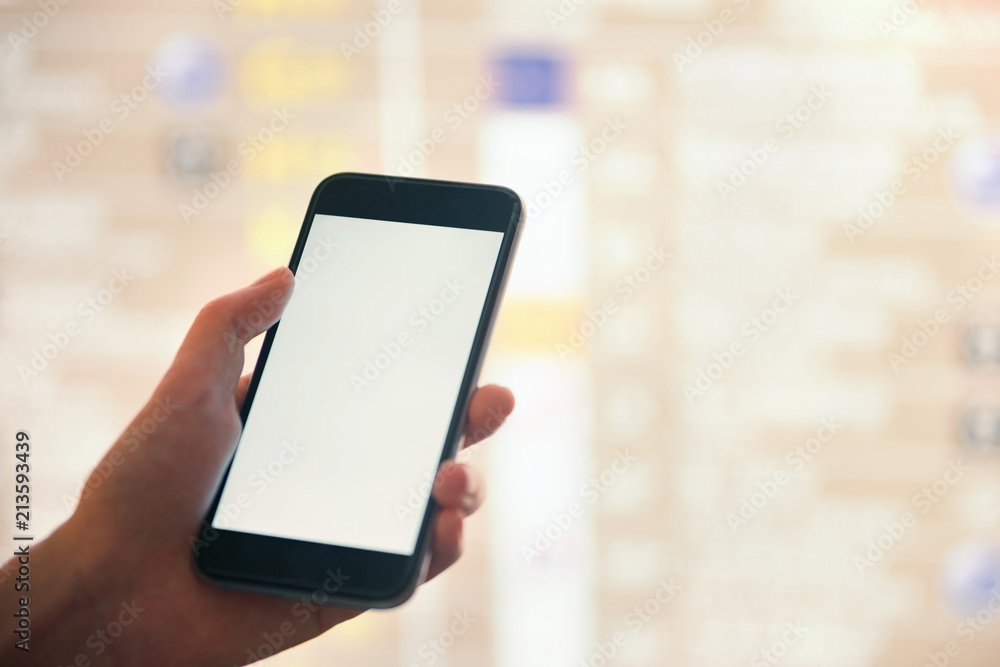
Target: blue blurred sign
{"x": 971, "y": 577}
{"x": 533, "y": 81}
{"x": 976, "y": 172}
{"x": 195, "y": 71}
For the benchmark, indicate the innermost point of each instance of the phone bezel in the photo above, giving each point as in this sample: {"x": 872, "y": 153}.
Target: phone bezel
{"x": 361, "y": 577}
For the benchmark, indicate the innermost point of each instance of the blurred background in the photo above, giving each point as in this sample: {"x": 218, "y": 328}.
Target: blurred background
{"x": 753, "y": 327}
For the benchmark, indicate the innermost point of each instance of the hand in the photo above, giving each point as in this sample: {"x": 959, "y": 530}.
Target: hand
{"x": 116, "y": 583}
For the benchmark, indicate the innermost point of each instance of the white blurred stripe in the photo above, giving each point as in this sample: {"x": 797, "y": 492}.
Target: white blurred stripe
{"x": 544, "y": 610}
{"x": 401, "y": 85}
{"x": 544, "y": 607}
{"x": 527, "y": 152}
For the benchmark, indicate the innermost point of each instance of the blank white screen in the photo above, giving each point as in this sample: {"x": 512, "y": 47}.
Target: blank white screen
{"x": 353, "y": 407}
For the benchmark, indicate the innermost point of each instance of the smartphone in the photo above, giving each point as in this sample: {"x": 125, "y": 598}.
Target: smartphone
{"x": 360, "y": 390}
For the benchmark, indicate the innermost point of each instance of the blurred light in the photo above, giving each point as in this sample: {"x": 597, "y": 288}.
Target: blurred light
{"x": 971, "y": 576}
{"x": 323, "y": 8}
{"x": 282, "y": 70}
{"x": 631, "y": 409}
{"x": 192, "y": 154}
{"x": 618, "y": 84}
{"x": 528, "y": 152}
{"x": 633, "y": 564}
{"x": 195, "y": 71}
{"x": 313, "y": 157}
{"x": 533, "y": 81}
{"x": 980, "y": 429}
{"x": 979, "y": 505}
{"x": 626, "y": 172}
{"x": 271, "y": 234}
{"x": 981, "y": 345}
{"x": 976, "y": 173}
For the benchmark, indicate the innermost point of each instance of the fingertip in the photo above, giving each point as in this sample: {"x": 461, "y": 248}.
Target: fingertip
{"x": 213, "y": 347}
{"x": 505, "y": 400}
{"x": 277, "y": 285}
{"x": 489, "y": 409}
{"x": 285, "y": 276}
{"x": 280, "y": 274}
{"x": 492, "y": 400}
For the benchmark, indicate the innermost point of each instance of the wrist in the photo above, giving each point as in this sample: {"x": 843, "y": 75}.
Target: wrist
{"x": 58, "y": 591}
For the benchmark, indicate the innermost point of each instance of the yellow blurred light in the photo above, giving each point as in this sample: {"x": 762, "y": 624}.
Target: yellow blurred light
{"x": 281, "y": 71}
{"x": 270, "y": 235}
{"x": 536, "y": 325}
{"x": 301, "y": 157}
{"x": 288, "y": 7}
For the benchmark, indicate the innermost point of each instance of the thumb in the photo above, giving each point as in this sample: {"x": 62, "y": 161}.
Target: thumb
{"x": 211, "y": 356}
{"x": 176, "y": 463}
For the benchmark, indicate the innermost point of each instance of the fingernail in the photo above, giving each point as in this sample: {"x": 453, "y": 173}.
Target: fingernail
{"x": 268, "y": 277}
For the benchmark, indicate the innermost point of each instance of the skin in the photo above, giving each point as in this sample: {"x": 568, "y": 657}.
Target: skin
{"x": 129, "y": 539}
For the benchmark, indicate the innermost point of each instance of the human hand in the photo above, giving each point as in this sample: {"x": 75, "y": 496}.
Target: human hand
{"x": 116, "y": 583}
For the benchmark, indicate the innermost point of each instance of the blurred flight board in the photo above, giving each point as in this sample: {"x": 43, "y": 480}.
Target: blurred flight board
{"x": 753, "y": 328}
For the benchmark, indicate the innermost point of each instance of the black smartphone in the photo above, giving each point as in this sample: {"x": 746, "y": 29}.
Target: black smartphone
{"x": 361, "y": 389}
